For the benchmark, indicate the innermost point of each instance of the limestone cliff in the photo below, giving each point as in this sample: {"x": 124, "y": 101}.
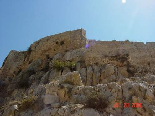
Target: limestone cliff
{"x": 67, "y": 75}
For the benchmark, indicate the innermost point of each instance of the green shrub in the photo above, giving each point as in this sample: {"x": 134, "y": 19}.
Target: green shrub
{"x": 60, "y": 65}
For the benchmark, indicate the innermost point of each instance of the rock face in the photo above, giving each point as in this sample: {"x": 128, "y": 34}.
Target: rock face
{"x": 68, "y": 75}
{"x": 12, "y": 62}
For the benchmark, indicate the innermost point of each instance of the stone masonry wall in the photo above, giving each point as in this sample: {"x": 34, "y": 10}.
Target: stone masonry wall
{"x": 58, "y": 43}
{"x": 100, "y": 52}
{"x": 139, "y": 53}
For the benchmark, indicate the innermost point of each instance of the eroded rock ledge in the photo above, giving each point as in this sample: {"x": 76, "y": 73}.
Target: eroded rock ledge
{"x": 68, "y": 75}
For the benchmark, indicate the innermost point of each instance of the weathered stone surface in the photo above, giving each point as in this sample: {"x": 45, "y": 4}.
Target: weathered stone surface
{"x": 65, "y": 71}
{"x": 58, "y": 56}
{"x": 58, "y": 43}
{"x": 83, "y": 75}
{"x": 27, "y": 113}
{"x": 109, "y": 70}
{"x": 39, "y": 90}
{"x": 150, "y": 95}
{"x": 86, "y": 112}
{"x": 108, "y": 74}
{"x": 54, "y": 74}
{"x": 96, "y": 75}
{"x": 34, "y": 65}
{"x": 45, "y": 78}
{"x": 89, "y": 75}
{"x": 12, "y": 63}
{"x": 139, "y": 52}
{"x": 123, "y": 80}
{"x": 123, "y": 71}
{"x": 55, "y": 105}
{"x": 75, "y": 55}
{"x": 129, "y": 112}
{"x": 150, "y": 79}
{"x": 72, "y": 78}
{"x": 52, "y": 87}
{"x": 62, "y": 93}
{"x": 49, "y": 99}
{"x": 78, "y": 66}
{"x": 47, "y": 112}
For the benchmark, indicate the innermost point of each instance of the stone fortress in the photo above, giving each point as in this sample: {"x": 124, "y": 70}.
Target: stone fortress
{"x": 139, "y": 54}
{"x": 116, "y": 71}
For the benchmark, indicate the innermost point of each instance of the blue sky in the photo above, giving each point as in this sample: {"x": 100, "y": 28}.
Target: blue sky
{"x": 24, "y": 21}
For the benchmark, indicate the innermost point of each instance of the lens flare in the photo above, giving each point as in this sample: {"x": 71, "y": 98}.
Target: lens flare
{"x": 123, "y": 1}
{"x": 90, "y": 43}
{"x": 87, "y": 46}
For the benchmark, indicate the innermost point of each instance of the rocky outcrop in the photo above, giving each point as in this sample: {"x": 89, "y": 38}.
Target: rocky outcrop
{"x": 12, "y": 63}
{"x": 69, "y": 99}
{"x": 67, "y": 75}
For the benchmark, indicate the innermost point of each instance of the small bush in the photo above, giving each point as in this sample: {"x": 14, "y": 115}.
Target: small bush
{"x": 27, "y": 103}
{"x": 96, "y": 103}
{"x": 60, "y": 65}
{"x": 23, "y": 81}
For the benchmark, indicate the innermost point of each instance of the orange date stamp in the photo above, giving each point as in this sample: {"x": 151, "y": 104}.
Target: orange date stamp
{"x": 127, "y": 105}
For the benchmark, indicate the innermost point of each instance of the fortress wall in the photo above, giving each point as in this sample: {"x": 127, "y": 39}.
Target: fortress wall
{"x": 151, "y": 50}
{"x": 139, "y": 53}
{"x": 150, "y": 44}
{"x": 100, "y": 52}
{"x": 58, "y": 43}
{"x": 47, "y": 46}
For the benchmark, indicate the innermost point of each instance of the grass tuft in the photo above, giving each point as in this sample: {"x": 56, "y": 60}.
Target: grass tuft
{"x": 27, "y": 103}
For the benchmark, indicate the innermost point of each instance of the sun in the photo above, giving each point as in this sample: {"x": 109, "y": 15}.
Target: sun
{"x": 123, "y": 1}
